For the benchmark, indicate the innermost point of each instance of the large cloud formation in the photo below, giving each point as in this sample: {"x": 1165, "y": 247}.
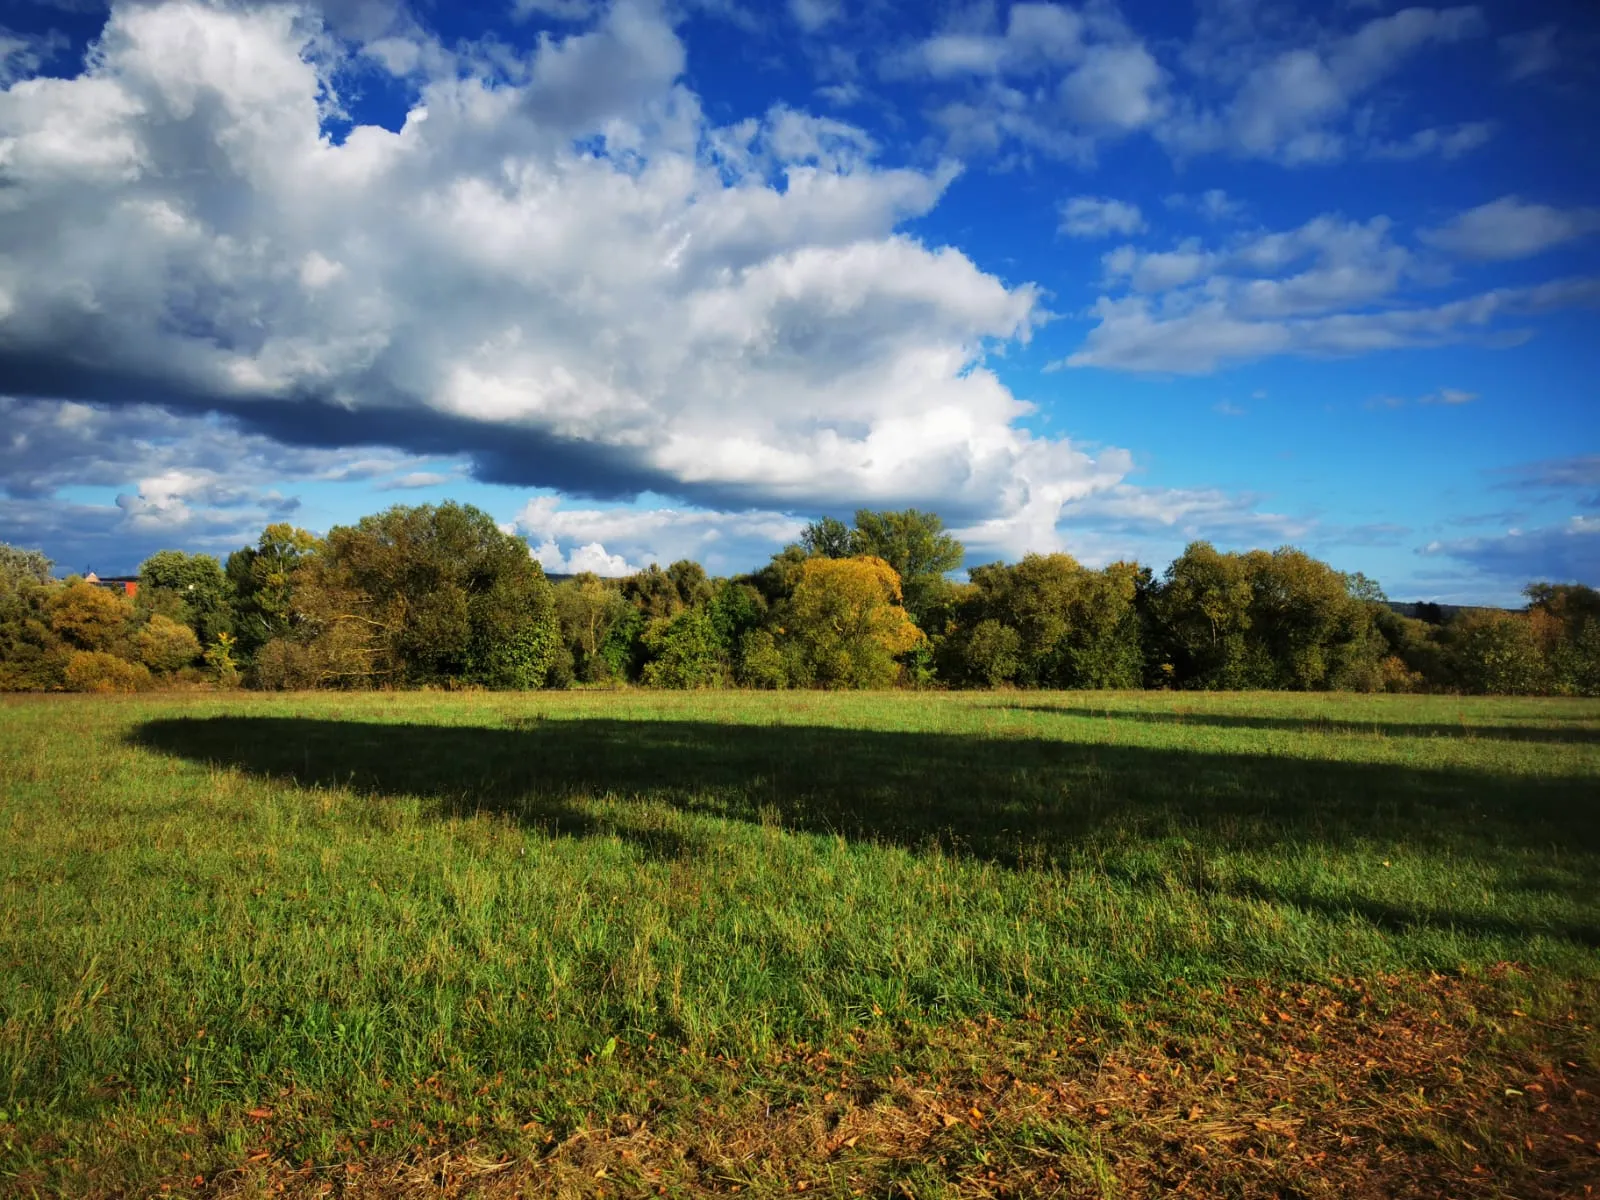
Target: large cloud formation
{"x": 556, "y": 265}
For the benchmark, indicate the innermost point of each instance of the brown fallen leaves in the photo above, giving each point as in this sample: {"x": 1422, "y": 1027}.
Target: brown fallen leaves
{"x": 1253, "y": 1091}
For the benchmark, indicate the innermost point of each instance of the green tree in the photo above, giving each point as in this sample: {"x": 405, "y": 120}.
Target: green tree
{"x": 443, "y": 595}
{"x": 192, "y": 589}
{"x": 764, "y": 662}
{"x": 685, "y": 652}
{"x": 777, "y": 580}
{"x": 1075, "y": 628}
{"x": 590, "y": 609}
{"x": 1566, "y": 624}
{"x": 914, "y": 544}
{"x": 332, "y": 638}
{"x": 18, "y": 565}
{"x": 828, "y": 537}
{"x": 1310, "y": 627}
{"x": 1278, "y": 619}
{"x": 623, "y": 649}
{"x": 1105, "y": 641}
{"x": 263, "y": 578}
{"x": 654, "y": 593}
{"x": 1415, "y": 660}
{"x": 691, "y": 583}
{"x": 1202, "y": 610}
{"x": 993, "y": 653}
{"x": 32, "y": 655}
{"x": 735, "y": 609}
{"x": 1496, "y": 653}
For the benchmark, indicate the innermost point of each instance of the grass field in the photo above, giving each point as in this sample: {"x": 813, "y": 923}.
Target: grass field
{"x": 894, "y": 944}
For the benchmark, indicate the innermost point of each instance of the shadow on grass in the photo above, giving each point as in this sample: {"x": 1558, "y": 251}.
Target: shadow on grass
{"x": 1014, "y": 801}
{"x": 1009, "y": 799}
{"x": 1399, "y": 918}
{"x": 1463, "y": 731}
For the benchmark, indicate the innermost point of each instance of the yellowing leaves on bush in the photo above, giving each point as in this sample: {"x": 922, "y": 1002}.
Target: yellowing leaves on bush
{"x": 98, "y": 671}
{"x": 164, "y": 645}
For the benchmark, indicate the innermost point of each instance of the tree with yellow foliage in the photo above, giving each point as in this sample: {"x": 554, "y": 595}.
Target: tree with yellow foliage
{"x": 846, "y": 623}
{"x": 91, "y": 618}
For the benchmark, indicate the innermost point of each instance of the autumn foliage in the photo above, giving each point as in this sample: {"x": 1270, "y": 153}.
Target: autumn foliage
{"x": 440, "y": 596}
{"x": 847, "y": 624}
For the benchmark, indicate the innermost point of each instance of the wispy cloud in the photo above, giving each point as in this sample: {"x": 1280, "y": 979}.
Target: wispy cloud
{"x": 1532, "y": 52}
{"x": 1331, "y": 287}
{"x": 1098, "y": 217}
{"x": 1577, "y": 477}
{"x": 1293, "y": 100}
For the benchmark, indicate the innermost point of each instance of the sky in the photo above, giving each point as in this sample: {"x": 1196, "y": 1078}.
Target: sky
{"x": 654, "y": 279}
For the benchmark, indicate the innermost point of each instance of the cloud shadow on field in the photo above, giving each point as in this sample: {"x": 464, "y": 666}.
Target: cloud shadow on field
{"x": 1344, "y": 726}
{"x": 1007, "y": 799}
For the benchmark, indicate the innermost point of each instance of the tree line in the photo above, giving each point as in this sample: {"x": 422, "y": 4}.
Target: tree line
{"x": 438, "y": 595}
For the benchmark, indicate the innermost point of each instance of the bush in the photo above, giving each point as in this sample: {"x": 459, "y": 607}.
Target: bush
{"x": 1397, "y": 677}
{"x": 761, "y": 661}
{"x": 993, "y": 653}
{"x": 164, "y": 645}
{"x": 562, "y": 672}
{"x": 1496, "y": 653}
{"x": 282, "y": 666}
{"x": 685, "y": 652}
{"x": 220, "y": 661}
{"x": 97, "y": 671}
{"x": 33, "y": 668}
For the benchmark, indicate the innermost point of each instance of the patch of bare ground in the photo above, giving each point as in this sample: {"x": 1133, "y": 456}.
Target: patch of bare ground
{"x": 1396, "y": 1086}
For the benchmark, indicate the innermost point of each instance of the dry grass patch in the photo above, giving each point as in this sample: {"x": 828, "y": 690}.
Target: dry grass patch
{"x": 1403, "y": 1086}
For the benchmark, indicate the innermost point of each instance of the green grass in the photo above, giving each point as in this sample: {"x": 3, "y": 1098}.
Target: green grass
{"x": 404, "y": 920}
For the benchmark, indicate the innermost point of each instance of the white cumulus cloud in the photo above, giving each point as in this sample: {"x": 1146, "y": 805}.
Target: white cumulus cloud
{"x": 557, "y": 265}
{"x": 609, "y": 541}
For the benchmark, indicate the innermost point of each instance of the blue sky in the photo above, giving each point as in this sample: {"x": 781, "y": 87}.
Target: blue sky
{"x": 653, "y": 280}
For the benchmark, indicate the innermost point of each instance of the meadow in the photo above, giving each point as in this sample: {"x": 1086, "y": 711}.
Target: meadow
{"x": 950, "y": 944}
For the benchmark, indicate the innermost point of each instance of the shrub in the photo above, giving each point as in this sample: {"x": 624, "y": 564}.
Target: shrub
{"x": 164, "y": 645}
{"x": 282, "y": 665}
{"x": 993, "y": 653}
{"x": 219, "y": 659}
{"x": 1496, "y": 653}
{"x": 761, "y": 661}
{"x": 685, "y": 652}
{"x": 1397, "y": 677}
{"x": 97, "y": 671}
{"x": 30, "y": 668}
